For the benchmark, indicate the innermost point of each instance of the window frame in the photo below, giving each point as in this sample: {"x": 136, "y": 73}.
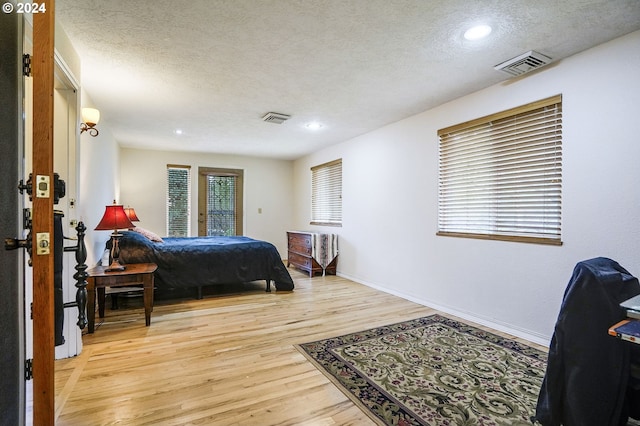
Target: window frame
{"x": 169, "y": 230}
{"x": 527, "y": 209}
{"x": 326, "y": 194}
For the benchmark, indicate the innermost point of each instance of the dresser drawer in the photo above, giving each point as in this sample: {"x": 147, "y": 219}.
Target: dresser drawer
{"x": 300, "y": 261}
{"x": 300, "y": 243}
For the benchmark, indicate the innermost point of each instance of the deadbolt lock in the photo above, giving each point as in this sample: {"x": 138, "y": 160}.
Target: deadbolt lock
{"x": 43, "y": 243}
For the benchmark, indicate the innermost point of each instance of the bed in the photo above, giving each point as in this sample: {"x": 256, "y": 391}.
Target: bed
{"x": 195, "y": 262}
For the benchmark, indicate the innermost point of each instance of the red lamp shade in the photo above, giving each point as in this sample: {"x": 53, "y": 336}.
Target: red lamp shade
{"x": 131, "y": 214}
{"x": 114, "y": 218}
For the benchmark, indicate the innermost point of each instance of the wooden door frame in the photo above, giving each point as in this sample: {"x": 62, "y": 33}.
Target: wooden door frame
{"x": 65, "y": 164}
{"x": 43, "y": 267}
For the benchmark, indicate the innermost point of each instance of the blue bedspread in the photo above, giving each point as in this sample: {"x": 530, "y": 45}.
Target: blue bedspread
{"x": 203, "y": 261}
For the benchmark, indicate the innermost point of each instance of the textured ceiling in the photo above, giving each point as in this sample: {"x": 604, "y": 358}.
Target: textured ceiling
{"x": 213, "y": 68}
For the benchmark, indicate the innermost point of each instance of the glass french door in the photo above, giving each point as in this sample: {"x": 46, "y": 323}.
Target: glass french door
{"x": 219, "y": 202}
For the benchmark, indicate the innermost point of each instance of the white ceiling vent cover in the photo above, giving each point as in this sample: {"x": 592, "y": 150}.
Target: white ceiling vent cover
{"x": 524, "y": 63}
{"x": 275, "y": 117}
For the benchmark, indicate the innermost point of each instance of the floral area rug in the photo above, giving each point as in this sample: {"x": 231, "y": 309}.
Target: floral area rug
{"x": 433, "y": 371}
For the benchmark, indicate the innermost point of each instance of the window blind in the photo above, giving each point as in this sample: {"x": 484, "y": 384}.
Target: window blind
{"x": 326, "y": 193}
{"x": 500, "y": 177}
{"x": 178, "y": 201}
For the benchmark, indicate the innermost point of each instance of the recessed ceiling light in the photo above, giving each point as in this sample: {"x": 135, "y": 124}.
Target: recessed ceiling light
{"x": 314, "y": 125}
{"x": 178, "y": 131}
{"x": 477, "y": 32}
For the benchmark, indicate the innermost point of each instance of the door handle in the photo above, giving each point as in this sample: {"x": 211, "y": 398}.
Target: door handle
{"x": 16, "y": 243}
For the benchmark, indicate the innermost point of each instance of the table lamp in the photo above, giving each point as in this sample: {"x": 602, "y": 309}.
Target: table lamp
{"x": 131, "y": 214}
{"x": 114, "y": 218}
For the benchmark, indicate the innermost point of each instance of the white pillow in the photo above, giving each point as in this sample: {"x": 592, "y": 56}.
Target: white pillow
{"x": 150, "y": 235}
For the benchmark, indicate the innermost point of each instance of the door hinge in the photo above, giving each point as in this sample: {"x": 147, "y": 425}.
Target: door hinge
{"x": 27, "y": 222}
{"x": 26, "y": 65}
{"x": 28, "y": 369}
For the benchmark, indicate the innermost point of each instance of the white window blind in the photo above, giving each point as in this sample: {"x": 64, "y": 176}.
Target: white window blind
{"x": 500, "y": 177}
{"x": 326, "y": 193}
{"x": 178, "y": 201}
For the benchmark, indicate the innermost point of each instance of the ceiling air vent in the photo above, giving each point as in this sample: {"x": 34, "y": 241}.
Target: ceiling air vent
{"x": 275, "y": 117}
{"x": 524, "y": 63}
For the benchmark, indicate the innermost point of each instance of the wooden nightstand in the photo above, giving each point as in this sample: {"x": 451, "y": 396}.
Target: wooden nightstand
{"x": 134, "y": 274}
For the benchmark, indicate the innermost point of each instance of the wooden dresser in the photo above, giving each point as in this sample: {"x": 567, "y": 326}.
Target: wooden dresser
{"x": 308, "y": 251}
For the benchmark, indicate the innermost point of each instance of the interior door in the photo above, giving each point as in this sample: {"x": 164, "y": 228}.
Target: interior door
{"x": 65, "y": 151}
{"x": 65, "y": 139}
{"x": 52, "y": 98}
{"x": 220, "y": 201}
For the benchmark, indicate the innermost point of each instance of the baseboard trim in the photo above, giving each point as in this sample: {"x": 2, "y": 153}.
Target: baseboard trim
{"x": 528, "y": 335}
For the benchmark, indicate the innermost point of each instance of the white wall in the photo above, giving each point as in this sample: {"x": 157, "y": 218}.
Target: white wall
{"x": 390, "y": 198}
{"x": 87, "y": 165}
{"x": 99, "y": 182}
{"x": 97, "y": 161}
{"x": 267, "y": 186}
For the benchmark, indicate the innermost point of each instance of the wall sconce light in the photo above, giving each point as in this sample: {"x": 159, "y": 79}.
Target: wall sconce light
{"x": 90, "y": 117}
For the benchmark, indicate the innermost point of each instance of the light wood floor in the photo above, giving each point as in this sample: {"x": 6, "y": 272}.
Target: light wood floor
{"x": 227, "y": 359}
